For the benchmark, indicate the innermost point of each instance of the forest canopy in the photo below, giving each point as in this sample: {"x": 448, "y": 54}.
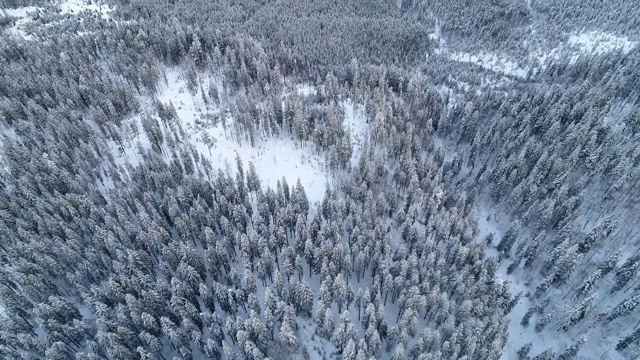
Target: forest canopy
{"x": 319, "y": 179}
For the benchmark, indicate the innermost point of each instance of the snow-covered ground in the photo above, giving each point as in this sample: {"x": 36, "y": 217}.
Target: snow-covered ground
{"x": 592, "y": 43}
{"x": 595, "y": 42}
{"x": 273, "y": 157}
{"x": 356, "y": 123}
{"x": 305, "y": 89}
{"x": 23, "y": 16}
{"x": 601, "y": 339}
{"x": 78, "y": 6}
{"x": 20, "y": 12}
{"x": 494, "y": 62}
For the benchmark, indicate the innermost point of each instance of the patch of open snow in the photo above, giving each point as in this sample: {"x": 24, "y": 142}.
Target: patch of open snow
{"x": 356, "y": 123}
{"x": 22, "y": 15}
{"x": 128, "y": 153}
{"x": 591, "y": 43}
{"x": 273, "y": 157}
{"x": 305, "y": 89}
{"x": 78, "y": 6}
{"x": 493, "y": 62}
{"x": 436, "y": 37}
{"x": 596, "y": 43}
{"x": 20, "y": 12}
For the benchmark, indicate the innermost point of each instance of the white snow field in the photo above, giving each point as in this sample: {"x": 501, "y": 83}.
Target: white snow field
{"x": 78, "y": 6}
{"x": 20, "y": 12}
{"x": 273, "y": 157}
{"x": 595, "y": 42}
{"x": 591, "y": 43}
{"x": 23, "y": 15}
{"x": 494, "y": 62}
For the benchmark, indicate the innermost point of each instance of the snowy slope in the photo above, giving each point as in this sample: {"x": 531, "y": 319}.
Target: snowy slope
{"x": 600, "y": 338}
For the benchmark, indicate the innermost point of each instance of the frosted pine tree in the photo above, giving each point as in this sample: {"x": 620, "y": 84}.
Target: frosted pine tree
{"x": 628, "y": 340}
{"x": 288, "y": 326}
{"x": 624, "y": 308}
{"x": 576, "y": 314}
{"x": 510, "y": 237}
{"x": 572, "y": 351}
{"x": 524, "y": 351}
{"x": 626, "y": 272}
{"x": 589, "y": 283}
{"x": 339, "y": 292}
{"x": 344, "y": 332}
{"x": 543, "y": 322}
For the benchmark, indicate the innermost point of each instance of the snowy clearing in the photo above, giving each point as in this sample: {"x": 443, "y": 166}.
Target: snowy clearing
{"x": 493, "y": 62}
{"x": 597, "y": 43}
{"x": 356, "y": 123}
{"x": 23, "y": 17}
{"x": 273, "y": 157}
{"x": 73, "y": 7}
{"x": 591, "y": 43}
{"x": 78, "y": 6}
{"x": 20, "y": 12}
